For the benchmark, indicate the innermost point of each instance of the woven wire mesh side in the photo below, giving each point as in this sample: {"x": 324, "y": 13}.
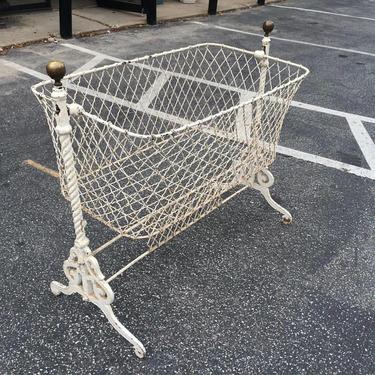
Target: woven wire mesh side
{"x": 48, "y": 105}
{"x": 158, "y": 140}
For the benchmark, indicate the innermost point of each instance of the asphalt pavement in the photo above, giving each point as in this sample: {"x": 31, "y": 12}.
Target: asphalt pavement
{"x": 238, "y": 292}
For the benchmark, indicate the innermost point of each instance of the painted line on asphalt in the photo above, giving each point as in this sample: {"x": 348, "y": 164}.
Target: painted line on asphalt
{"x": 91, "y": 52}
{"x": 23, "y": 69}
{"x": 362, "y": 172}
{"x": 322, "y": 12}
{"x": 333, "y": 112}
{"x": 352, "y": 169}
{"x": 363, "y": 139}
{"x": 90, "y": 64}
{"x": 348, "y": 50}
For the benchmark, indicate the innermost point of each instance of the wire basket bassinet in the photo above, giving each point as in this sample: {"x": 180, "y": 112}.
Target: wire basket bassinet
{"x": 151, "y": 145}
{"x": 158, "y": 140}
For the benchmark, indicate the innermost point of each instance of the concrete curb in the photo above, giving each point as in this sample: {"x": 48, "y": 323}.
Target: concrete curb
{"x": 142, "y": 23}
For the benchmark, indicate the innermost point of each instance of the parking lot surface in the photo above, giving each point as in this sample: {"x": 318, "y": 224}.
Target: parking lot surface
{"x": 238, "y": 292}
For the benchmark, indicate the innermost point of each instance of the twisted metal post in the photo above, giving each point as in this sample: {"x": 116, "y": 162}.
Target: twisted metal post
{"x": 63, "y": 130}
{"x": 81, "y": 268}
{"x": 262, "y": 58}
{"x": 56, "y": 70}
{"x": 263, "y": 180}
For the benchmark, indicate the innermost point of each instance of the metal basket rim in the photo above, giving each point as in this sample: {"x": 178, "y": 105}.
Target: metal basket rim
{"x": 146, "y": 57}
{"x": 189, "y": 125}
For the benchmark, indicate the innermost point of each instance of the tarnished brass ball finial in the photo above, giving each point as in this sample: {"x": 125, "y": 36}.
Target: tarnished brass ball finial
{"x": 268, "y": 27}
{"x": 56, "y": 70}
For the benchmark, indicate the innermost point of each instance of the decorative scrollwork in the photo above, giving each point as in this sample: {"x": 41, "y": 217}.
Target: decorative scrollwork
{"x": 262, "y": 179}
{"x": 84, "y": 275}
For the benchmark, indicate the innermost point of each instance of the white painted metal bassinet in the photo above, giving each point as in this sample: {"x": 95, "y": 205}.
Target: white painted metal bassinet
{"x": 149, "y": 146}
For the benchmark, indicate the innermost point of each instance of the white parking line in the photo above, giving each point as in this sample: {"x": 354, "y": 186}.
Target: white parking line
{"x": 91, "y": 52}
{"x": 90, "y": 64}
{"x": 154, "y": 90}
{"x": 359, "y": 132}
{"x": 332, "y": 112}
{"x": 322, "y": 12}
{"x": 363, "y": 139}
{"x": 358, "y": 171}
{"x": 348, "y": 50}
{"x": 23, "y": 69}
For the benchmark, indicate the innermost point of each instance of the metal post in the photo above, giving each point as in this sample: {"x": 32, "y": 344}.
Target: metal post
{"x": 263, "y": 179}
{"x": 150, "y": 7}
{"x": 65, "y": 13}
{"x": 212, "y": 7}
{"x": 81, "y": 268}
{"x": 56, "y": 70}
{"x": 261, "y": 2}
{"x": 267, "y": 28}
{"x": 262, "y": 58}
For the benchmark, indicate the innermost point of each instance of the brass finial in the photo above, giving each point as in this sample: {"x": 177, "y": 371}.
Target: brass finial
{"x": 56, "y": 70}
{"x": 268, "y": 27}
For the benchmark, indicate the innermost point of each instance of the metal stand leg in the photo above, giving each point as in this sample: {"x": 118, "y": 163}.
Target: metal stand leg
{"x": 262, "y": 181}
{"x": 81, "y": 268}
{"x": 139, "y": 349}
{"x": 86, "y": 279}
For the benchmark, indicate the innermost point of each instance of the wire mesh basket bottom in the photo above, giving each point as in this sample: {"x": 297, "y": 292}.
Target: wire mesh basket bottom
{"x": 159, "y": 139}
